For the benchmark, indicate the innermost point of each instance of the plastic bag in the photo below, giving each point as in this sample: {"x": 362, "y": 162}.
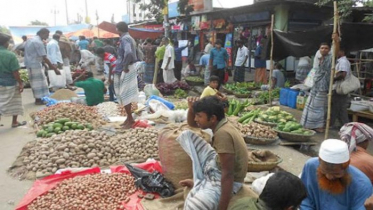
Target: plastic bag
{"x": 57, "y": 81}
{"x": 349, "y": 85}
{"x": 165, "y": 102}
{"x": 69, "y": 78}
{"x": 151, "y": 182}
{"x": 226, "y": 76}
{"x": 309, "y": 79}
{"x": 151, "y": 89}
{"x": 42, "y": 186}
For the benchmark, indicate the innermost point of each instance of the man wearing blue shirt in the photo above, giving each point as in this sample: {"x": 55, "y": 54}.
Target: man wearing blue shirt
{"x": 332, "y": 184}
{"x": 218, "y": 61}
{"x": 83, "y": 43}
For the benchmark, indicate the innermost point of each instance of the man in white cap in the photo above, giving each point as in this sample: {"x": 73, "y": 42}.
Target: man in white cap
{"x": 332, "y": 183}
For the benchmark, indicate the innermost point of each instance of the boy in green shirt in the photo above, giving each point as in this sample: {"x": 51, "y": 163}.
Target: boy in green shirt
{"x": 94, "y": 89}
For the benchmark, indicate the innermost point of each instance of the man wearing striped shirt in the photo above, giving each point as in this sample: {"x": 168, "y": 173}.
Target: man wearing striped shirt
{"x": 109, "y": 65}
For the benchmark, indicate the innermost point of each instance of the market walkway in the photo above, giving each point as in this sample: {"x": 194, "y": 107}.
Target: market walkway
{"x": 12, "y": 141}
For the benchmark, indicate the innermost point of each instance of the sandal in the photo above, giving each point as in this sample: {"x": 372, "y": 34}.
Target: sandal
{"x": 19, "y": 124}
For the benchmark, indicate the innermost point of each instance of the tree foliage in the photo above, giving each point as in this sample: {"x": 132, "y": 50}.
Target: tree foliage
{"x": 154, "y": 9}
{"x": 4, "y": 30}
{"x": 345, "y": 7}
{"x": 38, "y": 23}
{"x": 184, "y": 8}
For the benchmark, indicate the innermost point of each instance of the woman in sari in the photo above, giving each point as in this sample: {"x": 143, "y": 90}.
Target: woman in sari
{"x": 314, "y": 113}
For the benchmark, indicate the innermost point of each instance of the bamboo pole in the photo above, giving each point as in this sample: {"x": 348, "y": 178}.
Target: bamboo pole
{"x": 271, "y": 61}
{"x": 334, "y": 53}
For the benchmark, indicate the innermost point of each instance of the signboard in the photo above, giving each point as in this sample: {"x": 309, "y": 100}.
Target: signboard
{"x": 172, "y": 9}
{"x": 228, "y": 47}
{"x": 126, "y": 18}
{"x": 183, "y": 43}
{"x": 201, "y": 5}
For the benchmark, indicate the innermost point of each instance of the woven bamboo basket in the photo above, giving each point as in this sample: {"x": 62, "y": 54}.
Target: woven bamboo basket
{"x": 295, "y": 137}
{"x": 272, "y": 125}
{"x": 266, "y": 166}
{"x": 194, "y": 83}
{"x": 241, "y": 95}
{"x": 226, "y": 90}
{"x": 259, "y": 141}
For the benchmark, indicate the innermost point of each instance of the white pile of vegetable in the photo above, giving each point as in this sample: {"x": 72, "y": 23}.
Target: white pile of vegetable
{"x": 109, "y": 109}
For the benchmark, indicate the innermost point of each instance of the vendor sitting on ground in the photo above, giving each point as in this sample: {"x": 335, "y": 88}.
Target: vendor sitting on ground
{"x": 219, "y": 169}
{"x": 331, "y": 182}
{"x": 357, "y": 136}
{"x": 94, "y": 89}
{"x": 211, "y": 89}
{"x": 283, "y": 191}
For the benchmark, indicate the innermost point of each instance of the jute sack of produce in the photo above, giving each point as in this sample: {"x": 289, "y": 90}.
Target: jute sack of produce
{"x": 176, "y": 163}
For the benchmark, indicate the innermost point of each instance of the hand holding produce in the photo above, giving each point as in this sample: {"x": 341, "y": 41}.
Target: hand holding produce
{"x": 191, "y": 101}
{"x": 259, "y": 131}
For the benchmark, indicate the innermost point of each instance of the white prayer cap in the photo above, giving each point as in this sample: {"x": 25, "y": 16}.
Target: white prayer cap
{"x": 334, "y": 151}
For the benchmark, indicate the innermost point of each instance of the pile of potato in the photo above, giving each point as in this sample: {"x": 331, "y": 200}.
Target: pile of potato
{"x": 96, "y": 191}
{"x": 258, "y": 130}
{"x": 75, "y": 112}
{"x": 82, "y": 148}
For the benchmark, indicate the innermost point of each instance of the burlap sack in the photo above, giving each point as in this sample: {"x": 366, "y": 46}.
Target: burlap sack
{"x": 176, "y": 163}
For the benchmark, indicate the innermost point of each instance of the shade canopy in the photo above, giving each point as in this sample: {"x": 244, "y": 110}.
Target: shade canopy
{"x": 94, "y": 32}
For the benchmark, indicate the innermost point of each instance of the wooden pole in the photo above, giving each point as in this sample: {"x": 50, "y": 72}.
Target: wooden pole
{"x": 271, "y": 59}
{"x": 334, "y": 53}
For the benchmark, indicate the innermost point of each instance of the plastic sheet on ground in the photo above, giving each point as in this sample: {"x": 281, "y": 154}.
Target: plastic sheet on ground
{"x": 42, "y": 186}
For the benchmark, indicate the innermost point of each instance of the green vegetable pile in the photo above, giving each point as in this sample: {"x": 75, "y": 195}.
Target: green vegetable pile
{"x": 240, "y": 86}
{"x": 264, "y": 96}
{"x": 243, "y": 91}
{"x": 179, "y": 93}
{"x": 61, "y": 125}
{"x": 293, "y": 127}
{"x": 236, "y": 107}
{"x": 250, "y": 116}
{"x": 24, "y": 76}
{"x": 275, "y": 115}
{"x": 194, "y": 79}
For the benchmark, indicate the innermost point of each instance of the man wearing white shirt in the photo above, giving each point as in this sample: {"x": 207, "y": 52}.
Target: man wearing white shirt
{"x": 53, "y": 51}
{"x": 86, "y": 59}
{"x": 339, "y": 102}
{"x": 242, "y": 55}
{"x": 168, "y": 63}
{"x": 208, "y": 48}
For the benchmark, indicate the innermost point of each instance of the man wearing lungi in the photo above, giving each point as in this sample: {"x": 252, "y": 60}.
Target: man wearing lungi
{"x": 242, "y": 55}
{"x": 219, "y": 169}
{"x": 313, "y": 116}
{"x": 260, "y": 65}
{"x": 168, "y": 64}
{"x": 11, "y": 85}
{"x": 125, "y": 76}
{"x": 35, "y": 54}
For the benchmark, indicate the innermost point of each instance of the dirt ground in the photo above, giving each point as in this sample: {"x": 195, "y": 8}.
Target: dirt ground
{"x": 13, "y": 139}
